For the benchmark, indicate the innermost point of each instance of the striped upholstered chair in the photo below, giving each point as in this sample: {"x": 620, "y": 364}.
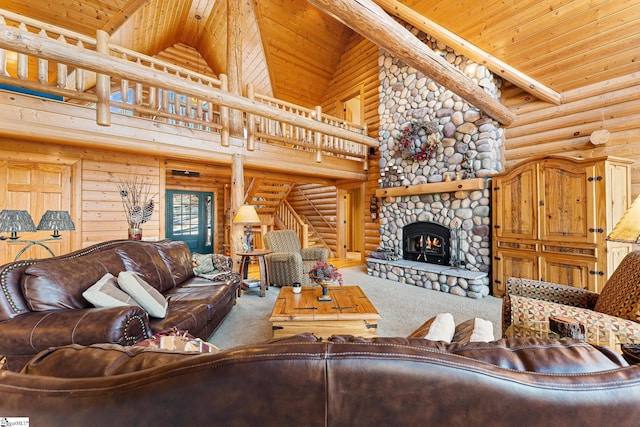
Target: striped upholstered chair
{"x": 289, "y": 262}
{"x": 612, "y": 317}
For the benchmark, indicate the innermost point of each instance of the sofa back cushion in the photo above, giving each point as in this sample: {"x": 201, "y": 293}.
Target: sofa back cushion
{"x": 177, "y": 257}
{"x": 144, "y": 259}
{"x": 59, "y": 283}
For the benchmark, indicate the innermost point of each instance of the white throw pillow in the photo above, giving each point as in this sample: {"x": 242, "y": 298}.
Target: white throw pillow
{"x": 146, "y": 295}
{"x": 482, "y": 330}
{"x": 106, "y": 293}
{"x": 442, "y": 328}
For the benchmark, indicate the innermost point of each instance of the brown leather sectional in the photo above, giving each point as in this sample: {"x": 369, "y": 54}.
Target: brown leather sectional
{"x": 41, "y": 302}
{"x": 300, "y": 381}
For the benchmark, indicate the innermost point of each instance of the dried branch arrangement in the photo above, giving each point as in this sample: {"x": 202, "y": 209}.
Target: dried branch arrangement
{"x": 137, "y": 201}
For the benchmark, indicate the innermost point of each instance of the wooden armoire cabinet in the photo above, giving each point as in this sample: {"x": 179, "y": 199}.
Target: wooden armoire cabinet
{"x": 551, "y": 218}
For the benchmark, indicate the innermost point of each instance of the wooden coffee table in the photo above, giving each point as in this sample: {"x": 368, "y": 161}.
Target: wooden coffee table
{"x": 350, "y": 312}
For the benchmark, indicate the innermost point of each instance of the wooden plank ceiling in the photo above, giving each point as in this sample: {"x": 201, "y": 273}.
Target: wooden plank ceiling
{"x": 291, "y": 49}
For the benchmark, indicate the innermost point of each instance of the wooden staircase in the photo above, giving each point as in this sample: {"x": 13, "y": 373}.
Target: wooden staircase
{"x": 269, "y": 197}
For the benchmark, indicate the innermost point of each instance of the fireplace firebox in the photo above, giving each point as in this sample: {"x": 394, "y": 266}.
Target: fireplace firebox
{"x": 426, "y": 242}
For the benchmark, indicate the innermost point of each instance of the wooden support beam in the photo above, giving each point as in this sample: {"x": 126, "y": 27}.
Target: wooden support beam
{"x": 472, "y": 52}
{"x": 368, "y": 19}
{"x": 121, "y": 17}
{"x": 237, "y": 200}
{"x": 22, "y": 41}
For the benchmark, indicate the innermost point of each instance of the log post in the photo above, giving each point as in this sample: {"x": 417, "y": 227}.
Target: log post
{"x": 369, "y": 20}
{"x": 251, "y": 122}
{"x": 103, "y": 86}
{"x": 237, "y": 199}
{"x": 318, "y": 136}
{"x": 224, "y": 113}
{"x": 234, "y": 62}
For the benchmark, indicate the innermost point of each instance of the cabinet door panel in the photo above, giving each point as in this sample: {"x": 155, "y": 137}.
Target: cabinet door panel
{"x": 569, "y": 271}
{"x": 516, "y": 204}
{"x": 567, "y": 203}
{"x": 507, "y": 263}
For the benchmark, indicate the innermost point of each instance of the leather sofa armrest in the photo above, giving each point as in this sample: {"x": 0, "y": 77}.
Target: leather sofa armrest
{"x": 38, "y": 330}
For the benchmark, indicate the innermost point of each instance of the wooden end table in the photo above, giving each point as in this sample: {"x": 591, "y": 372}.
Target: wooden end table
{"x": 244, "y": 267}
{"x": 349, "y": 312}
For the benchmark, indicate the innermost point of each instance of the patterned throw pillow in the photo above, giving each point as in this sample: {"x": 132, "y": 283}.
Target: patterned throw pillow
{"x": 106, "y": 293}
{"x": 146, "y": 295}
{"x": 620, "y": 296}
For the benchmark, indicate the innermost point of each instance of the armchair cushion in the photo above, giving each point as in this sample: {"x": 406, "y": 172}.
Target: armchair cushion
{"x": 620, "y": 296}
{"x": 314, "y": 254}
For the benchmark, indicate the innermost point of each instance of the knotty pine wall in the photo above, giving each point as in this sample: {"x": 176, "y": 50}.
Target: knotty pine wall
{"x": 95, "y": 202}
{"x": 565, "y": 129}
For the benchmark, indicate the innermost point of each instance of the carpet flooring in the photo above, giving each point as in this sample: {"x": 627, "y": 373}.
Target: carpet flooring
{"x": 403, "y": 308}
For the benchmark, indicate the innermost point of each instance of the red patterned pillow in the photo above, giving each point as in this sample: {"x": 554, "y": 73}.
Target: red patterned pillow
{"x": 620, "y": 296}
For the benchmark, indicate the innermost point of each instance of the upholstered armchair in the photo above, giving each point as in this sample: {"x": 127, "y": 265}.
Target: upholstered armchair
{"x": 611, "y": 317}
{"x": 289, "y": 263}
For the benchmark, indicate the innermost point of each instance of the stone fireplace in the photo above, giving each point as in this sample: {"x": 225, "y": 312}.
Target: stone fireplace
{"x": 427, "y": 242}
{"x": 439, "y": 235}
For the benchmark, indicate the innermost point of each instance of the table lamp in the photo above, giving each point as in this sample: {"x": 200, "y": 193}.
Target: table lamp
{"x": 248, "y": 216}
{"x": 56, "y": 221}
{"x": 12, "y": 221}
{"x": 627, "y": 230}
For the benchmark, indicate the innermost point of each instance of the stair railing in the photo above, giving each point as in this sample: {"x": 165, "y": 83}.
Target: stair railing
{"x": 288, "y": 219}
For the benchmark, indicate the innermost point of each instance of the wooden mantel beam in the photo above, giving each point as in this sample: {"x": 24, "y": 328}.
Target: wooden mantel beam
{"x": 15, "y": 39}
{"x": 368, "y": 19}
{"x": 472, "y": 52}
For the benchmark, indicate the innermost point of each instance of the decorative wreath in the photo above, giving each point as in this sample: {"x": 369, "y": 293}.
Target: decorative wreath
{"x": 419, "y": 140}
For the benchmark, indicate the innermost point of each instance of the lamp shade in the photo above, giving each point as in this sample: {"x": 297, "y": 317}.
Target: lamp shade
{"x": 56, "y": 220}
{"x": 12, "y": 221}
{"x": 246, "y": 215}
{"x": 627, "y": 230}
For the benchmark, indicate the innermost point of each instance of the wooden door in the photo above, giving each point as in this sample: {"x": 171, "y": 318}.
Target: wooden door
{"x": 36, "y": 188}
{"x": 513, "y": 263}
{"x": 567, "y": 203}
{"x": 516, "y": 204}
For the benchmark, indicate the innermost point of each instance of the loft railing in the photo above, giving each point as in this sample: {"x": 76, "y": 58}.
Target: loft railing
{"x": 74, "y": 68}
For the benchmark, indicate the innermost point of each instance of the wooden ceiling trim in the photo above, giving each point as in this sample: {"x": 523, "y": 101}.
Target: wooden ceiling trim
{"x": 372, "y": 22}
{"x": 472, "y": 52}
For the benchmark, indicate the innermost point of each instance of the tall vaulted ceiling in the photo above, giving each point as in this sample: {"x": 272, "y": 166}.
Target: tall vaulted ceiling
{"x": 291, "y": 49}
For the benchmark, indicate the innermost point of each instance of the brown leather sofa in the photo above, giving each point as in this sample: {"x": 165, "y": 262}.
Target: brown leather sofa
{"x": 41, "y": 302}
{"x": 300, "y": 381}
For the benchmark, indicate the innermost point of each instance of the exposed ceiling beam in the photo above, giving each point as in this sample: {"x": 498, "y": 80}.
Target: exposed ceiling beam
{"x": 472, "y": 52}
{"x": 368, "y": 19}
{"x": 121, "y": 17}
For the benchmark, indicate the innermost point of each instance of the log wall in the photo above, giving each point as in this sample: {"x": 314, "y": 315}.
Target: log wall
{"x": 566, "y": 129}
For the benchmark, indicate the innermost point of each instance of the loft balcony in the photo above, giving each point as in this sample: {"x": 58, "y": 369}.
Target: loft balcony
{"x": 67, "y": 88}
